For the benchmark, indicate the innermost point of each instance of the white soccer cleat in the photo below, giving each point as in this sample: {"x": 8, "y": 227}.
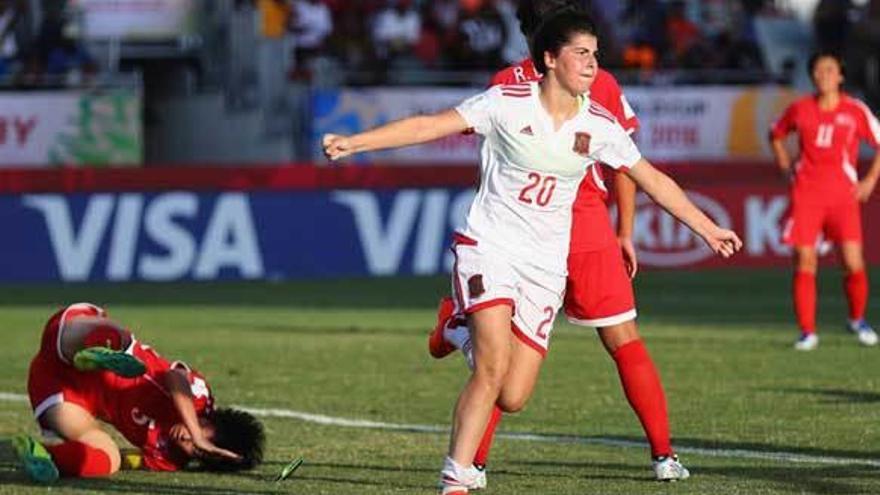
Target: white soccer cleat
{"x": 807, "y": 342}
{"x": 667, "y": 468}
{"x": 455, "y": 479}
{"x": 478, "y": 482}
{"x": 467, "y": 349}
{"x": 866, "y": 335}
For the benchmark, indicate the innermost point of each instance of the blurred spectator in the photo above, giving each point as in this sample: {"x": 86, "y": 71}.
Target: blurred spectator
{"x": 312, "y": 24}
{"x": 444, "y": 13}
{"x": 480, "y": 36}
{"x": 645, "y": 23}
{"x": 56, "y": 55}
{"x": 396, "y": 30}
{"x": 607, "y": 15}
{"x": 755, "y": 7}
{"x": 274, "y": 18}
{"x": 12, "y": 25}
{"x": 640, "y": 55}
{"x": 863, "y": 53}
{"x": 274, "y": 57}
{"x": 69, "y": 60}
{"x": 429, "y": 47}
{"x": 350, "y": 40}
{"x": 516, "y": 47}
{"x": 683, "y": 34}
{"x": 832, "y": 25}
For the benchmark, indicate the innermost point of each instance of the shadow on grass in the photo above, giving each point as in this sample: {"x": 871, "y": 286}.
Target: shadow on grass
{"x": 12, "y": 476}
{"x": 428, "y": 473}
{"x": 835, "y": 396}
{"x": 845, "y": 457}
{"x": 798, "y": 478}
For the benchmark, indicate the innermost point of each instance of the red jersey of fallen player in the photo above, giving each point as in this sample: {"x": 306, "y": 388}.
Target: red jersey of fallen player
{"x": 829, "y": 142}
{"x": 589, "y": 206}
{"x": 143, "y": 412}
{"x": 141, "y": 409}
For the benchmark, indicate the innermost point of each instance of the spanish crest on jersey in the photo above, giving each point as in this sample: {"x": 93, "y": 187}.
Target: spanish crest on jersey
{"x": 582, "y": 143}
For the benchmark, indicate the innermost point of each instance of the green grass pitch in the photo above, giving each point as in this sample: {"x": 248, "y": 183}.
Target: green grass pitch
{"x": 356, "y": 349}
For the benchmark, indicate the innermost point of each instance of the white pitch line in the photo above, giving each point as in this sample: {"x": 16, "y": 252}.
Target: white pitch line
{"x": 778, "y": 456}
{"x": 544, "y": 438}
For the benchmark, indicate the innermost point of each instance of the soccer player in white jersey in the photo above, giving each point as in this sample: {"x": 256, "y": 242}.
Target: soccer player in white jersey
{"x": 510, "y": 268}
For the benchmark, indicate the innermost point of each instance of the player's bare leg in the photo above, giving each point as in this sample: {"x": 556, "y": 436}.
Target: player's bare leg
{"x": 521, "y": 377}
{"x": 614, "y": 337}
{"x": 85, "y": 449}
{"x": 644, "y": 392}
{"x": 855, "y": 285}
{"x": 804, "y": 295}
{"x": 490, "y": 329}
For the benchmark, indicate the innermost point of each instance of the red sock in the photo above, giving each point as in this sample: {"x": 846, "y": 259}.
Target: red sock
{"x": 641, "y": 384}
{"x": 78, "y": 460}
{"x": 804, "y": 295}
{"x": 106, "y": 336}
{"x": 482, "y": 454}
{"x": 856, "y": 287}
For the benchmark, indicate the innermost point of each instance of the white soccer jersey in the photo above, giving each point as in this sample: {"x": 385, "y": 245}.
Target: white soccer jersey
{"x": 531, "y": 172}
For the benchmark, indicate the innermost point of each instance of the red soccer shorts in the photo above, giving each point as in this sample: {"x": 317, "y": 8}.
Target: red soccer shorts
{"x": 51, "y": 380}
{"x": 598, "y": 291}
{"x": 840, "y": 220}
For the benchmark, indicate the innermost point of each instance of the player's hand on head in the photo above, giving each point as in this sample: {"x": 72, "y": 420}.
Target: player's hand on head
{"x": 206, "y": 448}
{"x": 336, "y": 147}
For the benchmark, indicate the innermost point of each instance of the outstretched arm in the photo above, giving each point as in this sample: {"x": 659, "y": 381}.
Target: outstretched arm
{"x": 666, "y": 193}
{"x": 406, "y": 132}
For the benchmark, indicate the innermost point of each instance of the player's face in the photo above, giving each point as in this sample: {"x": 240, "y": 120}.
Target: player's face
{"x": 827, "y": 75}
{"x": 576, "y": 65}
{"x": 182, "y": 439}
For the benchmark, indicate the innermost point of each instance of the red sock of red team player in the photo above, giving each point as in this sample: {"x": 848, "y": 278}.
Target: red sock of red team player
{"x": 78, "y": 460}
{"x": 804, "y": 295}
{"x": 856, "y": 287}
{"x": 641, "y": 384}
{"x": 482, "y": 455}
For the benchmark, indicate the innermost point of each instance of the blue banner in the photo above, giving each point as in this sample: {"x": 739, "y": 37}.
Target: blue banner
{"x": 182, "y": 235}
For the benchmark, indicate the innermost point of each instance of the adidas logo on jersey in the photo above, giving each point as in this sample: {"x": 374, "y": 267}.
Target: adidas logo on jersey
{"x": 527, "y": 130}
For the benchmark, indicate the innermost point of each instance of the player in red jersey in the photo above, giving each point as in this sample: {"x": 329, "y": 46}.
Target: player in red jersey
{"x": 826, "y": 191}
{"x": 599, "y": 291}
{"x": 89, "y": 368}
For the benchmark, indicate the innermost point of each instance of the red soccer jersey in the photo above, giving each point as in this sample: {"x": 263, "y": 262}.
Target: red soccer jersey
{"x": 589, "y": 205}
{"x": 143, "y": 411}
{"x": 829, "y": 143}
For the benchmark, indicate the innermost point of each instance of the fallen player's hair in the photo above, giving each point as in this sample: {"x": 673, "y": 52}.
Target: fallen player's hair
{"x": 239, "y": 432}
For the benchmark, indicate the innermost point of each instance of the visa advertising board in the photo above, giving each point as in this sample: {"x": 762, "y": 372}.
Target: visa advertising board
{"x": 272, "y": 224}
